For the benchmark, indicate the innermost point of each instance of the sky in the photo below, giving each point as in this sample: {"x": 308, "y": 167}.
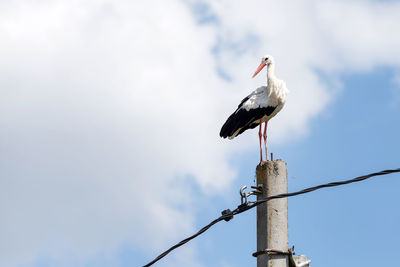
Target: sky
{"x": 109, "y": 145}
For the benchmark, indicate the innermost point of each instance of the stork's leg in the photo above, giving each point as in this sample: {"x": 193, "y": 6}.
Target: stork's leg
{"x": 260, "y": 135}
{"x": 265, "y": 138}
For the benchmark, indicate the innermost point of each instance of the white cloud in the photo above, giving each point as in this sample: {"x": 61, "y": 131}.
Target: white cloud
{"x": 95, "y": 149}
{"x": 105, "y": 108}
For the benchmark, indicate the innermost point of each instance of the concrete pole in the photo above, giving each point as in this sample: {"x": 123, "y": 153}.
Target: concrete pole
{"x": 272, "y": 216}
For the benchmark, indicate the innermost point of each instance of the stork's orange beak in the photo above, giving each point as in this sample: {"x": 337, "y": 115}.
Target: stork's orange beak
{"x": 262, "y": 65}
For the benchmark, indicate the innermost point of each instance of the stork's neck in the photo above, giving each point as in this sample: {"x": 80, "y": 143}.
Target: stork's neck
{"x": 271, "y": 72}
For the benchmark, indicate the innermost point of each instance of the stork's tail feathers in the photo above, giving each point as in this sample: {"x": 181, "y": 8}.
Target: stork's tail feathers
{"x": 228, "y": 129}
{"x": 234, "y": 126}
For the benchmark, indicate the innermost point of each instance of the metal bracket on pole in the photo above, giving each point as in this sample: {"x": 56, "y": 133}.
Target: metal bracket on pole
{"x": 244, "y": 195}
{"x": 294, "y": 261}
{"x": 300, "y": 261}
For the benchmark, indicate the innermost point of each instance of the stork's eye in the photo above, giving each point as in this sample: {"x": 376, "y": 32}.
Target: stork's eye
{"x": 266, "y": 59}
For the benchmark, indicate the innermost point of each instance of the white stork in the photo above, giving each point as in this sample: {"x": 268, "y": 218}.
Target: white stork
{"x": 258, "y": 107}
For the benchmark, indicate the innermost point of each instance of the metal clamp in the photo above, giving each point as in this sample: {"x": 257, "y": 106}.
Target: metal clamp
{"x": 228, "y": 214}
{"x": 244, "y": 195}
{"x": 289, "y": 252}
{"x": 270, "y": 251}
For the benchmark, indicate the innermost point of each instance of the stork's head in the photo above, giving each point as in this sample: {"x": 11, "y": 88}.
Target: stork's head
{"x": 266, "y": 60}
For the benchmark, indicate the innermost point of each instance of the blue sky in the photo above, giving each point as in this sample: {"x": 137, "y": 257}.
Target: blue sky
{"x": 111, "y": 112}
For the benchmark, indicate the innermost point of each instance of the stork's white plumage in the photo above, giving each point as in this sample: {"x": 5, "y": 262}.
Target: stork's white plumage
{"x": 258, "y": 107}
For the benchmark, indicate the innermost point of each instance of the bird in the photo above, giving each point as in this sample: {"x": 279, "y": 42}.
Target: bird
{"x": 258, "y": 107}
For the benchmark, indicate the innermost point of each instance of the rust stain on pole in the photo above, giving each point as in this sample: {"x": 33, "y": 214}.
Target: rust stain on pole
{"x": 272, "y": 216}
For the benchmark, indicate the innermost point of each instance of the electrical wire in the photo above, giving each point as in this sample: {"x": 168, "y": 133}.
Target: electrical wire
{"x": 184, "y": 241}
{"x": 310, "y": 189}
{"x": 228, "y": 214}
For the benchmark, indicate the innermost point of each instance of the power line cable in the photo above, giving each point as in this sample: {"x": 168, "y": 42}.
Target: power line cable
{"x": 228, "y": 214}
{"x": 310, "y": 189}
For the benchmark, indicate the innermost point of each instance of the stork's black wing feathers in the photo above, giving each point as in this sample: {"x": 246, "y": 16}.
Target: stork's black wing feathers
{"x": 243, "y": 119}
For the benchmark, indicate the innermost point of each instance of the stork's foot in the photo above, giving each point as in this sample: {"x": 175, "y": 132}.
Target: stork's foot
{"x": 262, "y": 162}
